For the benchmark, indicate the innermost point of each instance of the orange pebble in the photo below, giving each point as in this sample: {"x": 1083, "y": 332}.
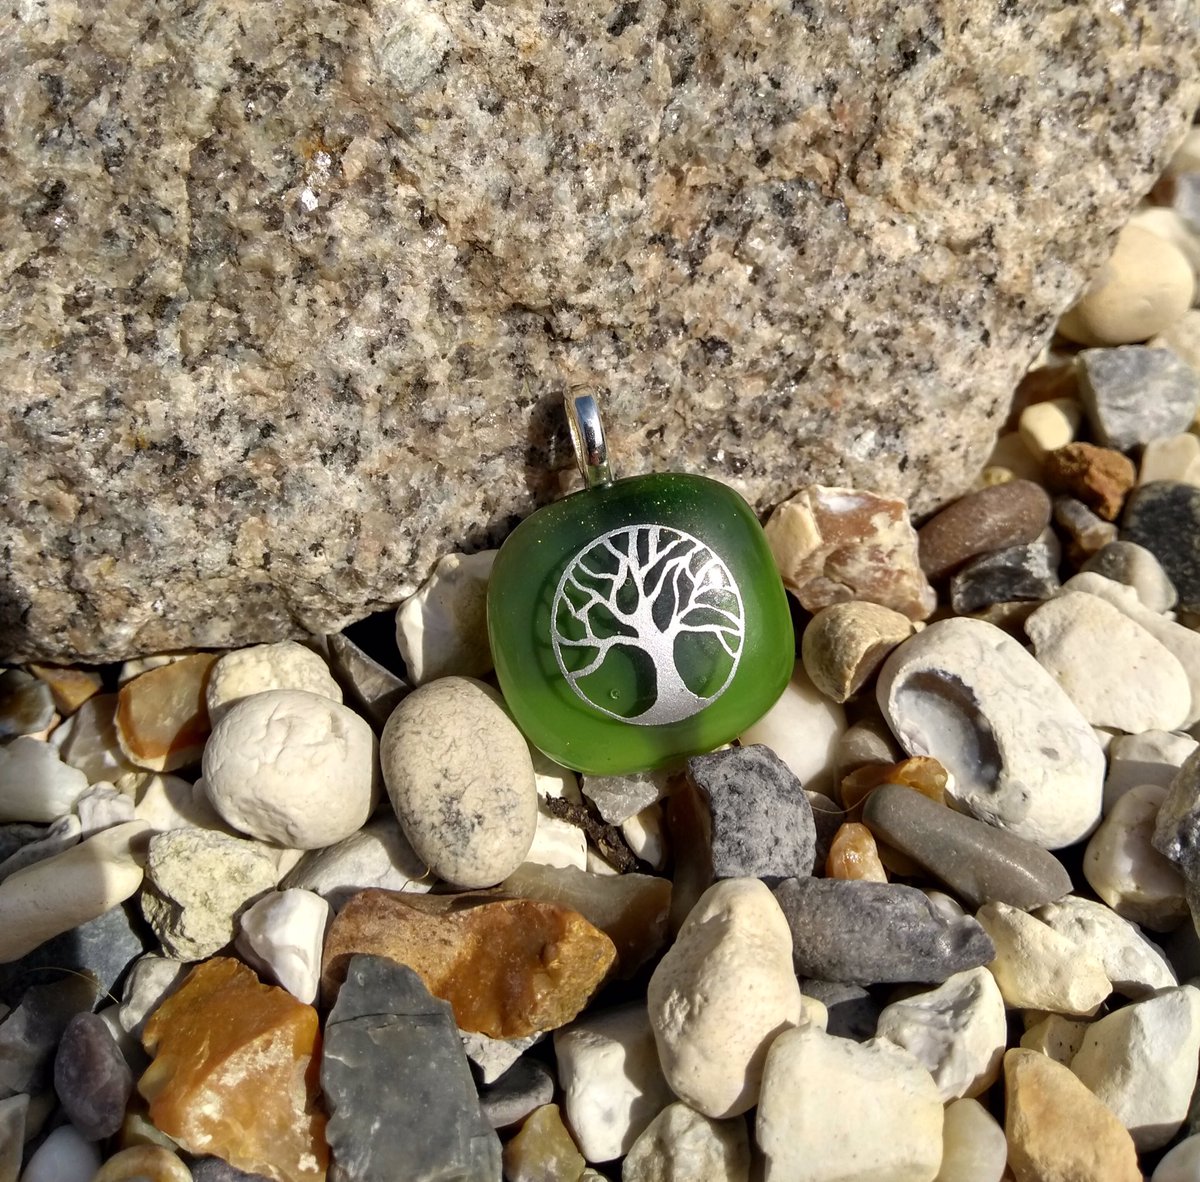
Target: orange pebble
{"x": 853, "y": 855}
{"x": 922, "y": 773}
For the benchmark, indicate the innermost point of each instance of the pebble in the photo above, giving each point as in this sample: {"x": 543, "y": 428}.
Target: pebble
{"x": 282, "y": 666}
{"x": 376, "y": 689}
{"x": 1084, "y": 532}
{"x": 721, "y": 994}
{"x": 844, "y": 645}
{"x": 644, "y": 833}
{"x": 1175, "y": 457}
{"x": 802, "y": 728}
{"x": 151, "y": 980}
{"x": 543, "y": 1150}
{"x": 170, "y": 802}
{"x": 816, "y": 1090}
{"x": 26, "y": 704}
{"x": 527, "y": 1084}
{"x": 1177, "y": 825}
{"x": 866, "y": 933}
{"x": 1141, "y": 1061}
{"x": 1134, "y": 394}
{"x": 1038, "y": 969}
{"x": 30, "y": 1033}
{"x": 612, "y": 1085}
{"x": 1047, "y": 426}
{"x": 1057, "y": 1130}
{"x": 1136, "y": 567}
{"x": 69, "y": 688}
{"x": 761, "y": 823}
{"x": 1181, "y": 1163}
{"x": 69, "y": 889}
{"x": 1166, "y": 223}
{"x": 1152, "y": 757}
{"x": 1114, "y": 671}
{"x": 282, "y": 935}
{"x": 292, "y": 767}
{"x": 378, "y": 856}
{"x": 868, "y": 741}
{"x": 161, "y": 717}
{"x": 233, "y": 1073}
{"x": 401, "y": 1100}
{"x": 88, "y": 740}
{"x": 91, "y": 1078}
{"x": 102, "y": 807}
{"x": 833, "y": 545}
{"x": 1098, "y": 476}
{"x": 492, "y": 1057}
{"x": 681, "y": 1145}
{"x": 508, "y": 967}
{"x": 1122, "y": 866}
{"x": 1010, "y": 514}
{"x": 1023, "y": 757}
{"x": 1165, "y": 518}
{"x": 853, "y": 854}
{"x": 1013, "y": 457}
{"x": 958, "y": 1031}
{"x": 617, "y": 798}
{"x": 1135, "y": 967}
{"x": 144, "y": 1163}
{"x": 35, "y": 784}
{"x": 13, "y": 1110}
{"x": 213, "y": 1169}
{"x": 197, "y": 885}
{"x": 64, "y": 1156}
{"x": 1145, "y": 285}
{"x": 461, "y": 780}
{"x": 1016, "y": 573}
{"x": 980, "y": 863}
{"x": 973, "y": 1144}
{"x": 1054, "y": 1035}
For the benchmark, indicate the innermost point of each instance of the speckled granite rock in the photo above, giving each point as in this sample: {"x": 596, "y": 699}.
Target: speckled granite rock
{"x": 291, "y": 293}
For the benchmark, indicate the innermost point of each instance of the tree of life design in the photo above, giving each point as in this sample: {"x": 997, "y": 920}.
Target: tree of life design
{"x": 648, "y": 624}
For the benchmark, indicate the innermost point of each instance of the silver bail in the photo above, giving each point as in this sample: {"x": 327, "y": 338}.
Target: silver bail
{"x": 587, "y": 434}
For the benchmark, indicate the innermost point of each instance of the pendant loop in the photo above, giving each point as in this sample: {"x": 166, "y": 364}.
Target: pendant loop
{"x": 587, "y": 435}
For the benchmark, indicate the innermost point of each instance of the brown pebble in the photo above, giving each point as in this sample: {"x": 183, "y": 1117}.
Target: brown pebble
{"x": 1098, "y": 476}
{"x": 69, "y": 688}
{"x": 162, "y": 717}
{"x": 1009, "y": 514}
{"x": 854, "y": 854}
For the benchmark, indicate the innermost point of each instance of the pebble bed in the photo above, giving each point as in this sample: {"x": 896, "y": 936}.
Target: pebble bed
{"x": 308, "y": 910}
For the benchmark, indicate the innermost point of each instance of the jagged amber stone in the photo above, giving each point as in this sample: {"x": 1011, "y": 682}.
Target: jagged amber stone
{"x": 922, "y": 773}
{"x": 235, "y": 1073}
{"x": 162, "y": 718}
{"x": 853, "y": 854}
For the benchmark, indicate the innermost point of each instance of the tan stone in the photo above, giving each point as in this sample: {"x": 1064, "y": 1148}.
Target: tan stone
{"x": 834, "y": 545}
{"x": 144, "y": 1163}
{"x": 162, "y": 718}
{"x": 844, "y": 645}
{"x": 1098, "y": 476}
{"x": 853, "y": 854}
{"x": 1055, "y": 1036}
{"x": 235, "y": 1073}
{"x": 1048, "y": 425}
{"x": 1057, "y": 1130}
{"x": 508, "y": 967}
{"x": 543, "y": 1150}
{"x": 69, "y": 688}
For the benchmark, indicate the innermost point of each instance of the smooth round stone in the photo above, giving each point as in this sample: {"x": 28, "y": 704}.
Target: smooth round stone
{"x": 1022, "y": 756}
{"x": 525, "y": 1085}
{"x": 26, "y": 704}
{"x": 1145, "y": 285}
{"x": 973, "y": 1144}
{"x": 35, "y": 784}
{"x": 64, "y": 1156}
{"x": 1136, "y": 567}
{"x": 1046, "y": 426}
{"x": 461, "y": 780}
{"x": 285, "y": 665}
{"x": 1181, "y": 1163}
{"x": 1176, "y": 457}
{"x": 1010, "y": 514}
{"x": 845, "y": 644}
{"x": 1164, "y": 517}
{"x": 292, "y": 767}
{"x": 91, "y": 1077}
{"x": 144, "y": 1163}
{"x": 681, "y": 1144}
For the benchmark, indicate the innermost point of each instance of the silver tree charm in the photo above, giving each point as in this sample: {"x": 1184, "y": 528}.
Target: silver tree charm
{"x": 648, "y": 624}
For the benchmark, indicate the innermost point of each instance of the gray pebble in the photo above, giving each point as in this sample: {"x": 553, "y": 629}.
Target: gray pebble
{"x": 26, "y": 704}
{"x": 1164, "y": 516}
{"x": 376, "y": 689}
{"x": 872, "y": 932}
{"x": 526, "y": 1085}
{"x": 214, "y": 1169}
{"x": 1134, "y": 565}
{"x": 762, "y": 823}
{"x": 617, "y": 798}
{"x": 30, "y": 1034}
{"x": 91, "y": 1077}
{"x": 1133, "y": 394}
{"x": 1015, "y": 573}
{"x": 853, "y": 1010}
{"x": 978, "y": 862}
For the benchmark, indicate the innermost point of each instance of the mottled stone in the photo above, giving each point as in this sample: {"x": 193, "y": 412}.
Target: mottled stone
{"x": 761, "y": 824}
{"x": 835, "y": 545}
{"x": 866, "y": 932}
{"x": 526, "y": 1085}
{"x": 844, "y": 645}
{"x": 213, "y": 1169}
{"x": 508, "y": 967}
{"x": 26, "y": 704}
{"x": 978, "y": 862}
{"x": 680, "y": 1143}
{"x": 161, "y": 719}
{"x": 1098, "y": 476}
{"x": 1134, "y": 565}
{"x": 399, "y": 1092}
{"x": 235, "y": 1074}
{"x": 1133, "y": 394}
{"x": 1009, "y": 514}
{"x": 1164, "y": 517}
{"x": 91, "y": 1077}
{"x": 1006, "y": 576}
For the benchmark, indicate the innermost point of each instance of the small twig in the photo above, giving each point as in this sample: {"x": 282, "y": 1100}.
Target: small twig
{"x": 607, "y": 838}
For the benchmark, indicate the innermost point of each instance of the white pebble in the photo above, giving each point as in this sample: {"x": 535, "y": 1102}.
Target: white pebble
{"x": 1181, "y": 1163}
{"x": 441, "y": 631}
{"x": 102, "y": 807}
{"x": 1153, "y": 757}
{"x": 556, "y": 842}
{"x": 644, "y": 834}
{"x": 282, "y": 934}
{"x": 1174, "y": 457}
{"x": 292, "y": 767}
{"x": 35, "y": 784}
{"x": 283, "y": 666}
{"x": 64, "y": 1156}
{"x": 1141, "y": 1061}
{"x": 166, "y": 802}
{"x": 494, "y": 1056}
{"x": 974, "y": 1148}
{"x": 1047, "y": 426}
{"x": 958, "y": 1031}
{"x": 88, "y": 740}
{"x": 612, "y": 1084}
{"x": 720, "y": 995}
{"x": 1168, "y": 225}
{"x": 833, "y": 1110}
{"x": 681, "y": 1145}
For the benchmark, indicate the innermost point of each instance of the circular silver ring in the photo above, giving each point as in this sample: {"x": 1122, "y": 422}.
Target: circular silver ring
{"x": 587, "y": 434}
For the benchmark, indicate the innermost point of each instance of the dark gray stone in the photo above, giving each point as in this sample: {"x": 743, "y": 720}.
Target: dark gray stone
{"x": 853, "y": 1010}
{"x": 1132, "y": 394}
{"x": 402, "y": 1103}
{"x": 20, "y": 833}
{"x": 26, "y": 705}
{"x": 1164, "y": 516}
{"x": 762, "y": 823}
{"x": 828, "y": 816}
{"x": 872, "y": 932}
{"x": 213, "y": 1169}
{"x": 978, "y": 862}
{"x": 526, "y": 1085}
{"x": 1136, "y": 567}
{"x": 1177, "y": 827}
{"x": 31, "y": 1033}
{"x": 91, "y": 1077}
{"x": 377, "y": 690}
{"x": 1016, "y": 572}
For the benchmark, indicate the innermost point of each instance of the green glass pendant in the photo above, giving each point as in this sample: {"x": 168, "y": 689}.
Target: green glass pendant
{"x": 638, "y": 621}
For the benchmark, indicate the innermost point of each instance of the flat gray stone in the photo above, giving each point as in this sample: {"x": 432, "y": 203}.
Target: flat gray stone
{"x": 303, "y": 293}
{"x": 91, "y": 1077}
{"x": 1132, "y": 394}
{"x": 401, "y": 1100}
{"x": 868, "y": 933}
{"x": 1014, "y": 573}
{"x": 526, "y": 1085}
{"x": 762, "y": 822}
{"x": 978, "y": 862}
{"x": 213, "y": 1169}
{"x": 1164, "y": 516}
